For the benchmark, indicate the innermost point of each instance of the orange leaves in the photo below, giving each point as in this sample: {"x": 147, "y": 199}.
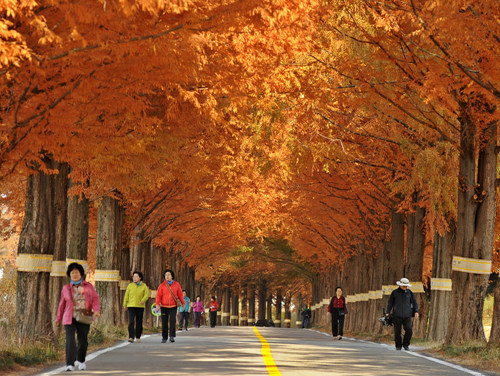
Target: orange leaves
{"x": 13, "y": 46}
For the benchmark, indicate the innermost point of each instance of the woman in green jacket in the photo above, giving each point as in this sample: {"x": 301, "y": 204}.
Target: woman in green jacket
{"x": 134, "y": 302}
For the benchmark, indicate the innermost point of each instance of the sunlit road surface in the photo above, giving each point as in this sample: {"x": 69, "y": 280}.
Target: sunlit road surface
{"x": 240, "y": 351}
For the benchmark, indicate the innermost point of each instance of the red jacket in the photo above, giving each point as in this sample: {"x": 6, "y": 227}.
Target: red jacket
{"x": 337, "y": 303}
{"x": 165, "y": 299}
{"x": 214, "y": 306}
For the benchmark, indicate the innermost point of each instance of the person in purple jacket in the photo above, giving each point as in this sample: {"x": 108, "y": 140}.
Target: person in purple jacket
{"x": 77, "y": 296}
{"x": 198, "y": 310}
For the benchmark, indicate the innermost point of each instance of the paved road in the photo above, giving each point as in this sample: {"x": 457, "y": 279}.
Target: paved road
{"x": 239, "y": 351}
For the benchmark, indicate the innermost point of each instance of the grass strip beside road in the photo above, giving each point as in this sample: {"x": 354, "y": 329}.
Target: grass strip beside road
{"x": 266, "y": 353}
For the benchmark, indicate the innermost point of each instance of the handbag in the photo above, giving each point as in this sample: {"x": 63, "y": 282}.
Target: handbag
{"x": 177, "y": 300}
{"x": 83, "y": 316}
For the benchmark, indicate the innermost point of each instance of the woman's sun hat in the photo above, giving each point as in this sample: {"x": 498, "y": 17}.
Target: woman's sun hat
{"x": 403, "y": 282}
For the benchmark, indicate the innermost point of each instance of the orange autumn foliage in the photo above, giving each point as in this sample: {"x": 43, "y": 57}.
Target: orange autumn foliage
{"x": 224, "y": 122}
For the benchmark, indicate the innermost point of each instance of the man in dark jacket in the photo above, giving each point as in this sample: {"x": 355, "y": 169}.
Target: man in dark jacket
{"x": 405, "y": 307}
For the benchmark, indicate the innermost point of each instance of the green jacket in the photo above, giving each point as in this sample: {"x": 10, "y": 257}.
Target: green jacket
{"x": 135, "y": 295}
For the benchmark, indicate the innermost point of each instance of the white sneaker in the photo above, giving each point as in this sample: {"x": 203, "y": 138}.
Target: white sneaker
{"x": 70, "y": 368}
{"x": 82, "y": 366}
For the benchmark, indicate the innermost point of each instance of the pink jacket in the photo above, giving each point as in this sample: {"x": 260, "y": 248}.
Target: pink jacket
{"x": 65, "y": 310}
{"x": 198, "y": 306}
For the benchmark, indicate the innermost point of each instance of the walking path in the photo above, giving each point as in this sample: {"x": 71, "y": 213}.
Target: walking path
{"x": 261, "y": 351}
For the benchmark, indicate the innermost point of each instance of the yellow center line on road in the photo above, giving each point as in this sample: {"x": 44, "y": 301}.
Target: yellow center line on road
{"x": 266, "y": 353}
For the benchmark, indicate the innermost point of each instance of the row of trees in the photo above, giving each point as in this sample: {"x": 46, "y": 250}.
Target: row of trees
{"x": 338, "y": 126}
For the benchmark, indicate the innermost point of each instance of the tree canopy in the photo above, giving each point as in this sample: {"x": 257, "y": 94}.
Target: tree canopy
{"x": 223, "y": 123}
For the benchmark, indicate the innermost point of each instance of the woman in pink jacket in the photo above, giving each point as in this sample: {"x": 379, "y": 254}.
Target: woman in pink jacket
{"x": 198, "y": 311}
{"x": 166, "y": 297}
{"x": 77, "y": 297}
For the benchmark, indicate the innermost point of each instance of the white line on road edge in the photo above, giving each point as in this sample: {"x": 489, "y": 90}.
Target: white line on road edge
{"x": 451, "y": 365}
{"x": 447, "y": 364}
{"x": 90, "y": 357}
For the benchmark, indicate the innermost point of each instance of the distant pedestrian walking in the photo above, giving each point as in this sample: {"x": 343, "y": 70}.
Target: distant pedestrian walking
{"x": 136, "y": 296}
{"x": 214, "y": 306}
{"x": 169, "y": 297}
{"x": 184, "y": 312}
{"x": 306, "y": 317}
{"x": 78, "y": 307}
{"x": 198, "y": 310}
{"x": 405, "y": 306}
{"x": 338, "y": 310}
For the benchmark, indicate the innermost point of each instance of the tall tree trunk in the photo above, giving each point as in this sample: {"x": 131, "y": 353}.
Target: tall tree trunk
{"x": 109, "y": 243}
{"x": 235, "y": 302}
{"x": 363, "y": 272}
{"x": 244, "y": 306}
{"x": 226, "y": 306}
{"x": 349, "y": 288}
{"x": 219, "y": 295}
{"x": 315, "y": 296}
{"x": 299, "y": 307}
{"x": 262, "y": 300}
{"x": 394, "y": 260}
{"x": 396, "y": 254}
{"x": 153, "y": 276}
{"x": 414, "y": 267}
{"x": 78, "y": 230}
{"x": 58, "y": 272}
{"x": 288, "y": 314}
{"x": 279, "y": 300}
{"x": 495, "y": 326}
{"x": 376, "y": 291}
{"x": 125, "y": 279}
{"x": 475, "y": 229}
{"x": 251, "y": 303}
{"x": 34, "y": 260}
{"x": 269, "y": 307}
{"x": 440, "y": 291}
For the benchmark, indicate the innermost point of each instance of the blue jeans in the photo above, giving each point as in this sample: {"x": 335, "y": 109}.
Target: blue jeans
{"x": 183, "y": 319}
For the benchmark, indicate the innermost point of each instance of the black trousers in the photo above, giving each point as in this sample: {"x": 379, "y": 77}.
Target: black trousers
{"x": 74, "y": 352}
{"x": 337, "y": 323}
{"x": 135, "y": 315}
{"x": 406, "y": 323}
{"x": 168, "y": 317}
{"x": 213, "y": 318}
{"x": 183, "y": 319}
{"x": 197, "y": 319}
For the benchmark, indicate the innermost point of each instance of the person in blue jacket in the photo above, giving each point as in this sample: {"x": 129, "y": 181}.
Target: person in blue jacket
{"x": 404, "y": 306}
{"x": 184, "y": 312}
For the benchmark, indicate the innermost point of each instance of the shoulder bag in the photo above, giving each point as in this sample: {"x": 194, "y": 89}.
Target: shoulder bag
{"x": 177, "y": 300}
{"x": 83, "y": 316}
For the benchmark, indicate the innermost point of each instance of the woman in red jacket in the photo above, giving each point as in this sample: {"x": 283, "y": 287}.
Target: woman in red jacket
{"x": 213, "y": 306}
{"x": 168, "y": 294}
{"x": 338, "y": 310}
